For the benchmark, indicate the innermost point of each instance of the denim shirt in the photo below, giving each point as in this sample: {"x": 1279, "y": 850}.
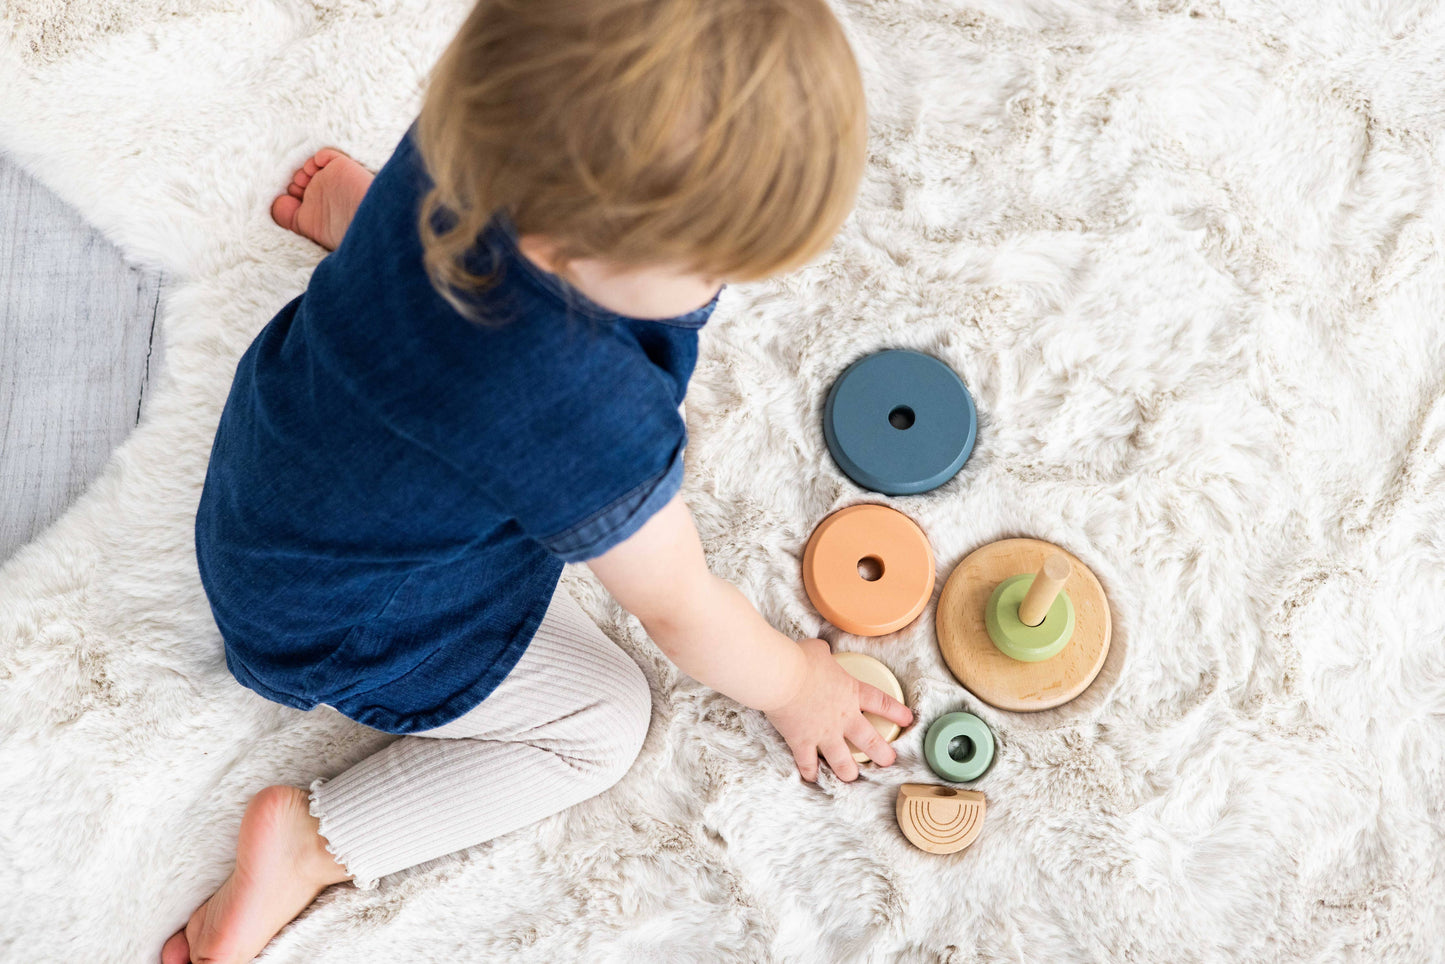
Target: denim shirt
{"x": 393, "y": 488}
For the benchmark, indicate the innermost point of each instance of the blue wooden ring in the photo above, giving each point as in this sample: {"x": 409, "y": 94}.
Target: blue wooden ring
{"x": 899, "y": 422}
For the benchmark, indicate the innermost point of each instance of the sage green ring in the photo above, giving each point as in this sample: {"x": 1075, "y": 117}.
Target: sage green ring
{"x": 1028, "y": 644}
{"x": 971, "y": 742}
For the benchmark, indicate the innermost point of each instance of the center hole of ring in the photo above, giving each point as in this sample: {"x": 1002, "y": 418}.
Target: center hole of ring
{"x": 961, "y": 749}
{"x": 870, "y": 568}
{"x": 901, "y": 417}
{"x": 944, "y": 792}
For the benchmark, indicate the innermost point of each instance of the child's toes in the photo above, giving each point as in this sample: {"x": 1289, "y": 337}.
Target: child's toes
{"x": 296, "y": 191}
{"x": 283, "y": 211}
{"x": 176, "y": 950}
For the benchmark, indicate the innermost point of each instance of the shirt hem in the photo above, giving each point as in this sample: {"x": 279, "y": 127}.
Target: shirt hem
{"x": 360, "y": 709}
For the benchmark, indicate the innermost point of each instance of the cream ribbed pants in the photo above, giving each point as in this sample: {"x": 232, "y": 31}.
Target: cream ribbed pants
{"x": 563, "y": 726}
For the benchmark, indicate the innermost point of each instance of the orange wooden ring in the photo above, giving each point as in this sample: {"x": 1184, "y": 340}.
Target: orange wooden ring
{"x": 886, "y": 545}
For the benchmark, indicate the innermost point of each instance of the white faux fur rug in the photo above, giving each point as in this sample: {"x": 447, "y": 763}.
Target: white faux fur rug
{"x": 1189, "y": 255}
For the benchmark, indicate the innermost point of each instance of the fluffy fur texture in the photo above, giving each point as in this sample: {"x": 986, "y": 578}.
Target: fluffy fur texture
{"x": 1188, "y": 256}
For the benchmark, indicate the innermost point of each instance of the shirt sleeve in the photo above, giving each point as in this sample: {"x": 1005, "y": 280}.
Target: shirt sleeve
{"x": 589, "y": 455}
{"x": 616, "y": 521}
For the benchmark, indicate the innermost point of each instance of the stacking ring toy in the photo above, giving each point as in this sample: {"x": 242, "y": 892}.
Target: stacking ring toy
{"x": 1023, "y": 644}
{"x": 1014, "y": 637}
{"x": 865, "y": 668}
{"x": 939, "y": 820}
{"x": 958, "y": 747}
{"x": 899, "y": 422}
{"x": 868, "y": 569}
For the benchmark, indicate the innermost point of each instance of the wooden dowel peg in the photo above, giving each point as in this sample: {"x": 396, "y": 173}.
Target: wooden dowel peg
{"x": 1000, "y": 660}
{"x": 1047, "y": 585}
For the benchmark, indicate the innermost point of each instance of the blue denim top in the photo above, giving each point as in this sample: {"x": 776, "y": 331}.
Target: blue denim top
{"x": 393, "y": 488}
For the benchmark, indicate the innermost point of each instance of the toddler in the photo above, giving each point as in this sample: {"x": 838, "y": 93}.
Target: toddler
{"x": 480, "y": 383}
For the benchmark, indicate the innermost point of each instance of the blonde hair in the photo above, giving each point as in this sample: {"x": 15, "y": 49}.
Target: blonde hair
{"x": 724, "y": 136}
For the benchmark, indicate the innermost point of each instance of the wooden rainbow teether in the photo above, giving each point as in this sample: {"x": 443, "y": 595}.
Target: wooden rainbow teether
{"x": 940, "y": 820}
{"x": 1023, "y": 624}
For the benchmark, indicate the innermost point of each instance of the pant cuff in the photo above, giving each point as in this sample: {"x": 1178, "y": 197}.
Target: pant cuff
{"x": 318, "y": 811}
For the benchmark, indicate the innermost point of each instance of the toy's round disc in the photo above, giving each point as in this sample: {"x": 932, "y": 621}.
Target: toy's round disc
{"x": 863, "y": 667}
{"x": 1000, "y": 680}
{"x": 899, "y": 422}
{"x": 954, "y": 762}
{"x": 868, "y": 569}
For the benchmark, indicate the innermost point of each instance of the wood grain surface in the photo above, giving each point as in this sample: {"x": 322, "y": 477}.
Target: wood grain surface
{"x": 939, "y": 820}
{"x": 1000, "y": 680}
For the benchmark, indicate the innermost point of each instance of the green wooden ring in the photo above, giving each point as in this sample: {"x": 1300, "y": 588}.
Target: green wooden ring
{"x": 970, "y": 758}
{"x": 1028, "y": 644}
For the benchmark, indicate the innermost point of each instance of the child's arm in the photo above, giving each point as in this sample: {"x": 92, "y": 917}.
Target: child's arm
{"x": 714, "y": 634}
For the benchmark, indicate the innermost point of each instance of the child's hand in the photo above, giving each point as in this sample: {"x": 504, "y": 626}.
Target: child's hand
{"x": 711, "y": 631}
{"x": 829, "y": 707}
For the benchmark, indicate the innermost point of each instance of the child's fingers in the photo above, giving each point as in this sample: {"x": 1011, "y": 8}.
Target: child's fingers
{"x": 807, "y": 760}
{"x": 873, "y": 700}
{"x": 840, "y": 760}
{"x": 867, "y": 739}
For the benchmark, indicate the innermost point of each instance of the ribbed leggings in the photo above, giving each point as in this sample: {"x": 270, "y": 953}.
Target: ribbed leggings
{"x": 563, "y": 726}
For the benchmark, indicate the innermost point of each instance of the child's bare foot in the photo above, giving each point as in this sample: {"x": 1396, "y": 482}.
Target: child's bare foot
{"x": 281, "y": 865}
{"x": 323, "y": 195}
